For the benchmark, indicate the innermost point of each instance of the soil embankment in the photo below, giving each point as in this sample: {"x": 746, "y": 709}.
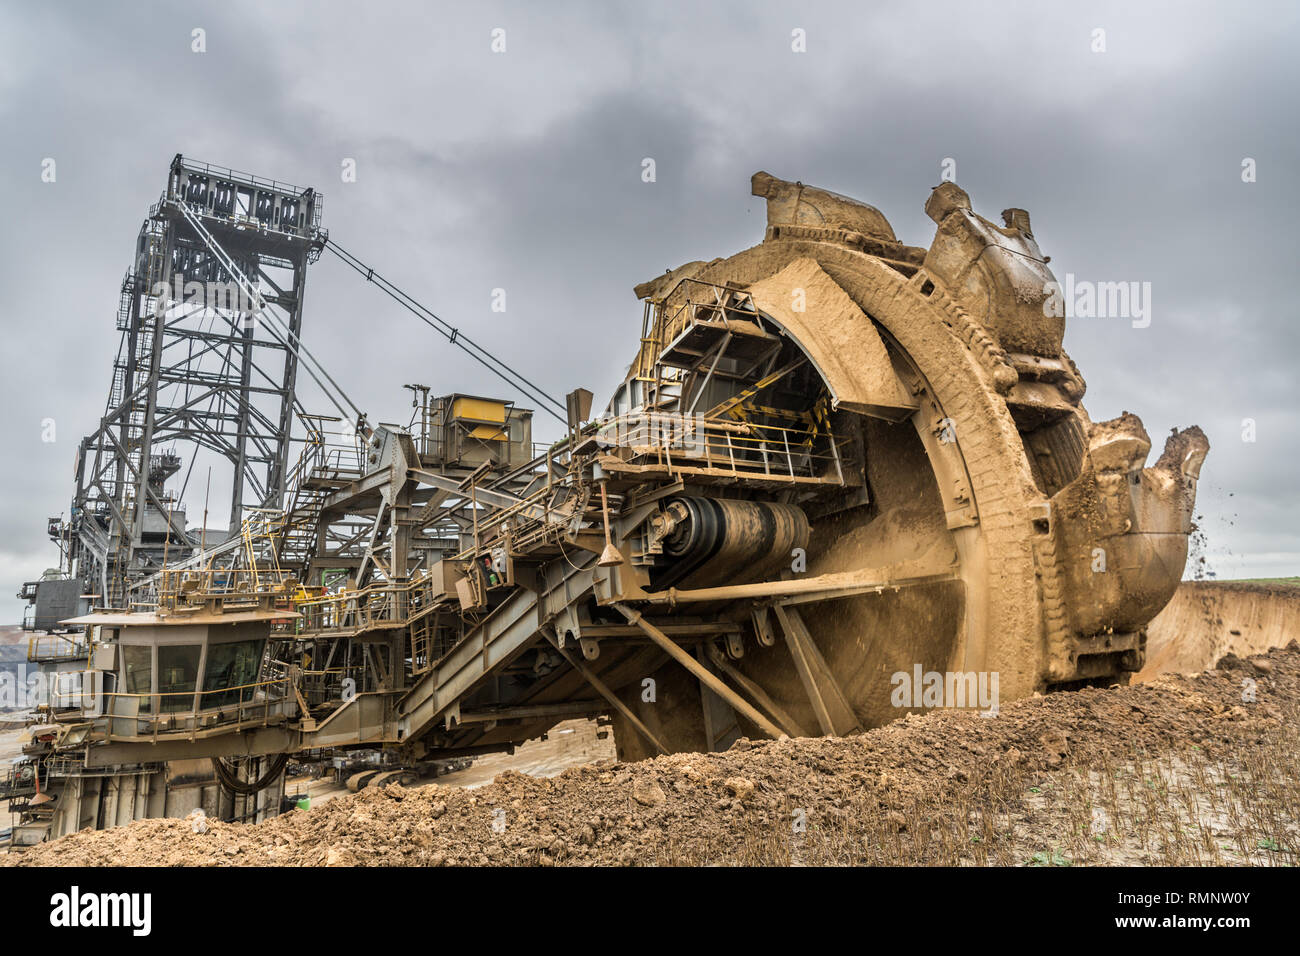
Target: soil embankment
{"x": 1207, "y": 619}
{"x": 1181, "y": 770}
{"x": 1175, "y": 769}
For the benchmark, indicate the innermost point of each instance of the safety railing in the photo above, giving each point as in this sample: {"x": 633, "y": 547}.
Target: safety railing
{"x": 49, "y": 648}
{"x": 63, "y": 767}
{"x": 744, "y": 449}
{"x": 181, "y": 712}
{"x": 326, "y": 454}
{"x": 236, "y": 176}
{"x": 698, "y": 300}
{"x": 241, "y": 571}
{"x": 526, "y": 522}
{"x": 373, "y": 607}
{"x": 318, "y": 686}
{"x": 18, "y": 781}
{"x": 185, "y": 591}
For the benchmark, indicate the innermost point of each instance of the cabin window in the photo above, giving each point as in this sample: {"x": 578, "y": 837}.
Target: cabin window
{"x": 231, "y": 668}
{"x": 137, "y": 673}
{"x": 178, "y": 671}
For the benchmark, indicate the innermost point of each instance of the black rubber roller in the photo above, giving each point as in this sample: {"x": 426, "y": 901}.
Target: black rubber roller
{"x": 724, "y": 541}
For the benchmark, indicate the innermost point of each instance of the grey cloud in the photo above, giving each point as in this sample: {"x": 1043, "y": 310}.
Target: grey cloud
{"x": 522, "y": 171}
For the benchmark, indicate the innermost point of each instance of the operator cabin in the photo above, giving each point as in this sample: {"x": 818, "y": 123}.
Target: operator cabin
{"x": 177, "y": 671}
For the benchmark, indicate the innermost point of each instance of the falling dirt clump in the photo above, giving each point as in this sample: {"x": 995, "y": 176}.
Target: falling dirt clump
{"x": 1182, "y": 770}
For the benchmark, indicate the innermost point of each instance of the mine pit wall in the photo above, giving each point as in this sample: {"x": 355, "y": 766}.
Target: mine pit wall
{"x": 1207, "y": 619}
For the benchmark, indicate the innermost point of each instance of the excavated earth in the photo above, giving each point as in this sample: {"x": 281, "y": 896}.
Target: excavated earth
{"x": 1207, "y": 619}
{"x": 1179, "y": 770}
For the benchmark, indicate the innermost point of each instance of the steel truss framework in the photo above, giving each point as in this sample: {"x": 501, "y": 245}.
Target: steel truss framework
{"x": 198, "y": 367}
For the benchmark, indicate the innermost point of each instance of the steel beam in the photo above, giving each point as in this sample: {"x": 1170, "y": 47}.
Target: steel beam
{"x": 704, "y": 675}
{"x": 834, "y": 714}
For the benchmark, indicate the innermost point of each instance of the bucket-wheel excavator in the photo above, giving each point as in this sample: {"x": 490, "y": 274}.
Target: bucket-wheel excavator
{"x": 835, "y": 459}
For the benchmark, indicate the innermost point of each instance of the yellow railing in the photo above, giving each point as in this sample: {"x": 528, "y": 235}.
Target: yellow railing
{"x": 374, "y": 606}
{"x": 120, "y": 714}
{"x": 53, "y": 647}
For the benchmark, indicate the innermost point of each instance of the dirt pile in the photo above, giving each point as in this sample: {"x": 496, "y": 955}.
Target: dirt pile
{"x": 1182, "y": 769}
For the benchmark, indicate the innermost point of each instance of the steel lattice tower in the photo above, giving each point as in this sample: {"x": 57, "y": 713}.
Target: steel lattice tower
{"x": 197, "y": 368}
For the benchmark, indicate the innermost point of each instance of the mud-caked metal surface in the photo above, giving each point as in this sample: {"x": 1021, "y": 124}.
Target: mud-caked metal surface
{"x": 946, "y": 368}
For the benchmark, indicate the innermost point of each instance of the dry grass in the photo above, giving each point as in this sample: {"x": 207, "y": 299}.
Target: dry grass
{"x": 1175, "y": 809}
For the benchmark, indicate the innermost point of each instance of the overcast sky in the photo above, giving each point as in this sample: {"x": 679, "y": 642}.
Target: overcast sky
{"x": 521, "y": 170}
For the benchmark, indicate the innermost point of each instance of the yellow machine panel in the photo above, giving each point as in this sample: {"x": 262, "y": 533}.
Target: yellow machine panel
{"x": 480, "y": 410}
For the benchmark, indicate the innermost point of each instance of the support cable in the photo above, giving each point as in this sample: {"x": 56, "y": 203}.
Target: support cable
{"x": 290, "y": 340}
{"x": 453, "y": 335}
